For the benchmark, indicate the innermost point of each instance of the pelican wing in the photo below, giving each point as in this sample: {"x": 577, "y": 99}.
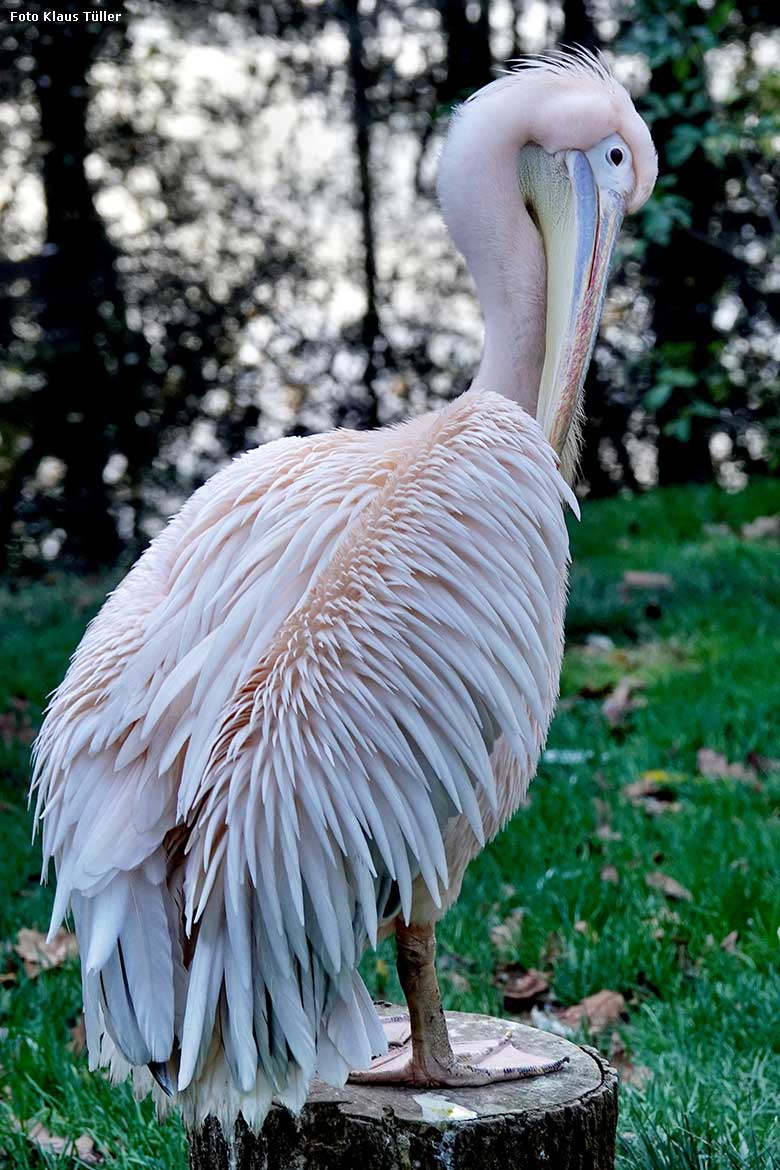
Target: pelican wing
{"x": 363, "y": 728}
{"x": 141, "y": 704}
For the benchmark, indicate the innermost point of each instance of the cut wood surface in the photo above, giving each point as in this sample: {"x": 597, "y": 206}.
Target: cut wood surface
{"x": 564, "y": 1121}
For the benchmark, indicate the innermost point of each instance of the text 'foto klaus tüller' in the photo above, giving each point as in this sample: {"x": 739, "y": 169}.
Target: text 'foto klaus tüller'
{"x": 49, "y": 16}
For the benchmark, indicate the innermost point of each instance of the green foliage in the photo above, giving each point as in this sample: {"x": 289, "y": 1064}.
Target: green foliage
{"x": 712, "y": 108}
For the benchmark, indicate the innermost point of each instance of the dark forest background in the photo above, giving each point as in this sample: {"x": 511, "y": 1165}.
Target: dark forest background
{"x": 218, "y": 226}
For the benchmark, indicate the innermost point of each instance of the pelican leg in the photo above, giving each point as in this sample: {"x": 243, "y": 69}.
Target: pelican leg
{"x": 428, "y": 1059}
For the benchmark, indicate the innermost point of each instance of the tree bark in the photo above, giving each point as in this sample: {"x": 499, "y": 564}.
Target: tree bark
{"x": 578, "y": 28}
{"x": 466, "y": 27}
{"x": 567, "y": 1119}
{"x": 77, "y": 398}
{"x": 364, "y": 414}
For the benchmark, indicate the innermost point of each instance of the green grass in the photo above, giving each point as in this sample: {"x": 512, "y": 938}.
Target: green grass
{"x": 702, "y": 1021}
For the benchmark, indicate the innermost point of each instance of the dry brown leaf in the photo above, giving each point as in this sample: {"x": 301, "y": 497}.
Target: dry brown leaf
{"x": 516, "y": 916}
{"x": 729, "y": 943}
{"x": 630, "y": 1074}
{"x": 39, "y": 955}
{"x": 7, "y": 977}
{"x": 503, "y": 934}
{"x": 610, "y": 874}
{"x": 524, "y": 989}
{"x": 651, "y": 794}
{"x": 619, "y": 703}
{"x": 546, "y": 1020}
{"x": 600, "y": 643}
{"x": 607, "y": 833}
{"x": 656, "y": 808}
{"x": 78, "y": 1037}
{"x": 598, "y": 1011}
{"x": 551, "y": 950}
{"x": 602, "y": 808}
{"x": 51, "y": 1143}
{"x": 638, "y": 579}
{"x": 762, "y": 528}
{"x": 715, "y": 766}
{"x": 668, "y": 886}
{"x": 7, "y": 729}
{"x": 16, "y": 723}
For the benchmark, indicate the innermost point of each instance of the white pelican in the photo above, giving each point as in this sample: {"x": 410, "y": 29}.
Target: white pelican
{"x": 326, "y": 684}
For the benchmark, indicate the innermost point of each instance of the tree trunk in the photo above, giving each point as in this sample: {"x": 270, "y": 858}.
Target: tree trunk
{"x": 566, "y": 1119}
{"x": 363, "y": 414}
{"x": 77, "y": 396}
{"x": 466, "y": 27}
{"x": 578, "y": 27}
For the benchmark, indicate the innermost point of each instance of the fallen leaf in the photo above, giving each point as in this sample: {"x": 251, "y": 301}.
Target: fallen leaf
{"x": 630, "y": 1074}
{"x": 601, "y": 642}
{"x": 652, "y": 794}
{"x": 16, "y": 724}
{"x": 610, "y": 875}
{"x": 581, "y": 926}
{"x": 619, "y": 703}
{"x": 515, "y": 919}
{"x": 7, "y": 977}
{"x": 668, "y": 886}
{"x": 551, "y": 950}
{"x": 598, "y": 1011}
{"x": 762, "y": 528}
{"x": 607, "y": 833}
{"x": 523, "y": 990}
{"x": 83, "y": 1147}
{"x": 545, "y": 1019}
{"x": 78, "y": 1036}
{"x": 451, "y": 961}
{"x": 638, "y": 579}
{"x": 459, "y": 982}
{"x": 503, "y": 934}
{"x": 715, "y": 766}
{"x": 656, "y": 808}
{"x": 666, "y": 917}
{"x": 566, "y": 756}
{"x": 729, "y": 943}
{"x": 39, "y": 955}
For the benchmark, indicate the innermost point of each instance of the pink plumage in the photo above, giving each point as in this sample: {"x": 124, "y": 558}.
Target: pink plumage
{"x": 315, "y": 697}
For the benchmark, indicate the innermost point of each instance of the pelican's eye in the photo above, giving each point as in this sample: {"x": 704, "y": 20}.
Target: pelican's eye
{"x": 615, "y": 156}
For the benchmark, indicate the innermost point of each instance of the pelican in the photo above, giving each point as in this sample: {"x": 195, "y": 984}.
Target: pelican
{"x": 326, "y": 684}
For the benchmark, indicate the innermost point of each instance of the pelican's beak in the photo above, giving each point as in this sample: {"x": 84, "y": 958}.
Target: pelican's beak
{"x": 579, "y": 223}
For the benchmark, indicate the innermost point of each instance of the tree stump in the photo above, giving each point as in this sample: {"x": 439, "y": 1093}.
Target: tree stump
{"x": 564, "y": 1121}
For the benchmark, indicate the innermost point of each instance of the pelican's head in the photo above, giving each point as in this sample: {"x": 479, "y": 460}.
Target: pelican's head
{"x": 581, "y": 159}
